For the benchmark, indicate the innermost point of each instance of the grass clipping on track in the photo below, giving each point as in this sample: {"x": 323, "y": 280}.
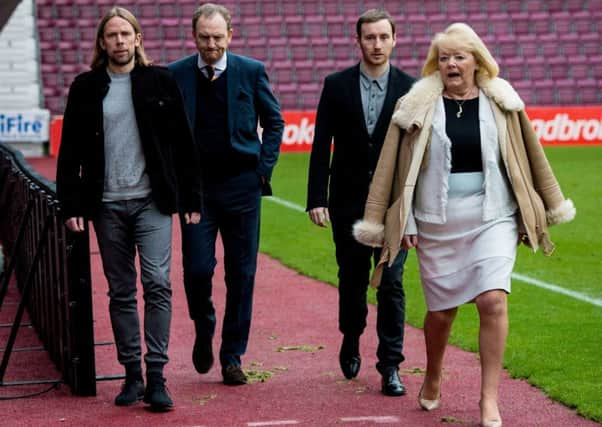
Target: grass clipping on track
{"x": 256, "y": 376}
{"x": 306, "y": 348}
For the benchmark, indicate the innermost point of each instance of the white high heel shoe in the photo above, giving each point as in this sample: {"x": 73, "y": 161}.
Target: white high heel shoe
{"x": 430, "y": 405}
{"x": 489, "y": 423}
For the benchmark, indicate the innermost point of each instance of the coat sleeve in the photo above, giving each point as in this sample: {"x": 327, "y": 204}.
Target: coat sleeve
{"x": 558, "y": 209}
{"x": 68, "y": 179}
{"x": 270, "y": 119}
{"x": 370, "y": 230}
{"x": 319, "y": 161}
{"x": 187, "y": 158}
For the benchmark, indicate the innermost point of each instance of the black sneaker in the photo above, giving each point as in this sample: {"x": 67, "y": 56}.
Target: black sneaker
{"x": 132, "y": 391}
{"x": 233, "y": 375}
{"x": 156, "y": 394}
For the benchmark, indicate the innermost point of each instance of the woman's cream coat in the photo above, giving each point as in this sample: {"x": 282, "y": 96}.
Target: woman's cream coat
{"x": 540, "y": 200}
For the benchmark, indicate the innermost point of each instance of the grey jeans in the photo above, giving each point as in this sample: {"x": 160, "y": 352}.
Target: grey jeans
{"x": 122, "y": 227}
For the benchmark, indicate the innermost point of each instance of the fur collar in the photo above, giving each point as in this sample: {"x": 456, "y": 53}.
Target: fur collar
{"x": 420, "y": 99}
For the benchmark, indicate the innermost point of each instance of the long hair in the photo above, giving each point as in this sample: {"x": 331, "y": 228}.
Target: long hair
{"x": 460, "y": 35}
{"x": 99, "y": 56}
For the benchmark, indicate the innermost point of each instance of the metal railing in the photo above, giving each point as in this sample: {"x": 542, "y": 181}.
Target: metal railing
{"x": 51, "y": 268}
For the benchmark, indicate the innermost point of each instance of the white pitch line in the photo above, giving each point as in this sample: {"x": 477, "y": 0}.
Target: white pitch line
{"x": 376, "y": 420}
{"x": 555, "y": 288}
{"x": 286, "y": 203}
{"x": 272, "y": 423}
{"x": 526, "y": 279}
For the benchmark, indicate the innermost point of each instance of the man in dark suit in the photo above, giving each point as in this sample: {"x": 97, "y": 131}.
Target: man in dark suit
{"x": 354, "y": 112}
{"x": 225, "y": 95}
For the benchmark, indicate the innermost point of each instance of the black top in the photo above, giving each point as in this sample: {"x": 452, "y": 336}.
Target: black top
{"x": 464, "y": 133}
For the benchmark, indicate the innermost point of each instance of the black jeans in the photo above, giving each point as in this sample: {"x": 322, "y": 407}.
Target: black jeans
{"x": 355, "y": 262}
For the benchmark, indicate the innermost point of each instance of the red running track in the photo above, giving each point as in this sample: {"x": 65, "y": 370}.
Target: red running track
{"x": 291, "y": 313}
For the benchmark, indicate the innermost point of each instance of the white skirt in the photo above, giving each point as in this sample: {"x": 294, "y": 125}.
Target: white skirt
{"x": 466, "y": 256}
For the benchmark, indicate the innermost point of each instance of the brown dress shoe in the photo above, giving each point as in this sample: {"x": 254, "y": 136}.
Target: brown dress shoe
{"x": 233, "y": 375}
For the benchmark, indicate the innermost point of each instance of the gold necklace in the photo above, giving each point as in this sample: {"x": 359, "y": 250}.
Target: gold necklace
{"x": 459, "y": 103}
{"x": 460, "y": 111}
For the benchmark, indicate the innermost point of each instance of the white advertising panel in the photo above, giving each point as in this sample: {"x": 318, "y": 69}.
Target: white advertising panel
{"x": 24, "y": 126}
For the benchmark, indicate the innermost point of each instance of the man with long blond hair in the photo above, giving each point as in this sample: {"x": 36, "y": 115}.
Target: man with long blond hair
{"x": 127, "y": 162}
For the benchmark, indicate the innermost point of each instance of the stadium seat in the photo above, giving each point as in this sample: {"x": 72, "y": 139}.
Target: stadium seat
{"x": 252, "y": 27}
{"x": 536, "y": 69}
{"x": 589, "y": 92}
{"x": 500, "y": 24}
{"x": 257, "y": 48}
{"x": 343, "y": 48}
{"x": 513, "y": 68}
{"x": 545, "y": 92}
{"x": 554, "y": 5}
{"x": 314, "y": 26}
{"x": 590, "y": 44}
{"x": 583, "y": 22}
{"x": 506, "y": 46}
{"x": 278, "y": 49}
{"x": 273, "y": 27}
{"x": 566, "y": 93}
{"x": 473, "y": 6}
{"x": 270, "y": 8}
{"x": 549, "y": 45}
{"x": 305, "y": 72}
{"x": 540, "y": 23}
{"x": 581, "y": 71}
{"x": 404, "y": 48}
{"x": 557, "y": 67}
{"x": 596, "y": 67}
{"x": 521, "y": 23}
{"x": 336, "y": 26}
{"x": 294, "y": 26}
{"x": 514, "y": 6}
{"x": 320, "y": 49}
{"x": 300, "y": 48}
{"x": 451, "y": 7}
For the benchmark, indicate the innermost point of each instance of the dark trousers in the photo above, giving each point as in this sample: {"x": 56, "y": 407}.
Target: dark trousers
{"x": 122, "y": 227}
{"x": 232, "y": 206}
{"x": 355, "y": 262}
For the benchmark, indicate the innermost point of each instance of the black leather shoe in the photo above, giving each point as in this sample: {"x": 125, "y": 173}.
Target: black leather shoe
{"x": 391, "y": 384}
{"x": 349, "y": 357}
{"x": 202, "y": 355}
{"x": 351, "y": 366}
{"x": 233, "y": 375}
{"x": 132, "y": 391}
{"x": 156, "y": 394}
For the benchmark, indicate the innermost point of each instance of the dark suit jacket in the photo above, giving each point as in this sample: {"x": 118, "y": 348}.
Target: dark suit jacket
{"x": 171, "y": 159}
{"x": 340, "y": 120}
{"x": 250, "y": 99}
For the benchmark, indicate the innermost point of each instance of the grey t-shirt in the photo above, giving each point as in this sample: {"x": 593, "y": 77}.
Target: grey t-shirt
{"x": 125, "y": 166}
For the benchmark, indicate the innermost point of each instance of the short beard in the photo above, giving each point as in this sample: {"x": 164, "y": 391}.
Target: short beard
{"x": 121, "y": 62}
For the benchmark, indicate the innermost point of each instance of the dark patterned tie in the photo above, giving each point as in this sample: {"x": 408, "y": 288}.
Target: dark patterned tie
{"x": 210, "y": 72}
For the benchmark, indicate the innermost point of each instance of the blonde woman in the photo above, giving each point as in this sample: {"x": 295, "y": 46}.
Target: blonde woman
{"x": 464, "y": 184}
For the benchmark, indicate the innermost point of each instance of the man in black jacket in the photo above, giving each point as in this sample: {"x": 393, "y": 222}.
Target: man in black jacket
{"x": 354, "y": 112}
{"x": 127, "y": 161}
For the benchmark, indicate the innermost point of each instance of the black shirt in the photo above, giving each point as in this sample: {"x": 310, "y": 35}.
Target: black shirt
{"x": 464, "y": 133}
